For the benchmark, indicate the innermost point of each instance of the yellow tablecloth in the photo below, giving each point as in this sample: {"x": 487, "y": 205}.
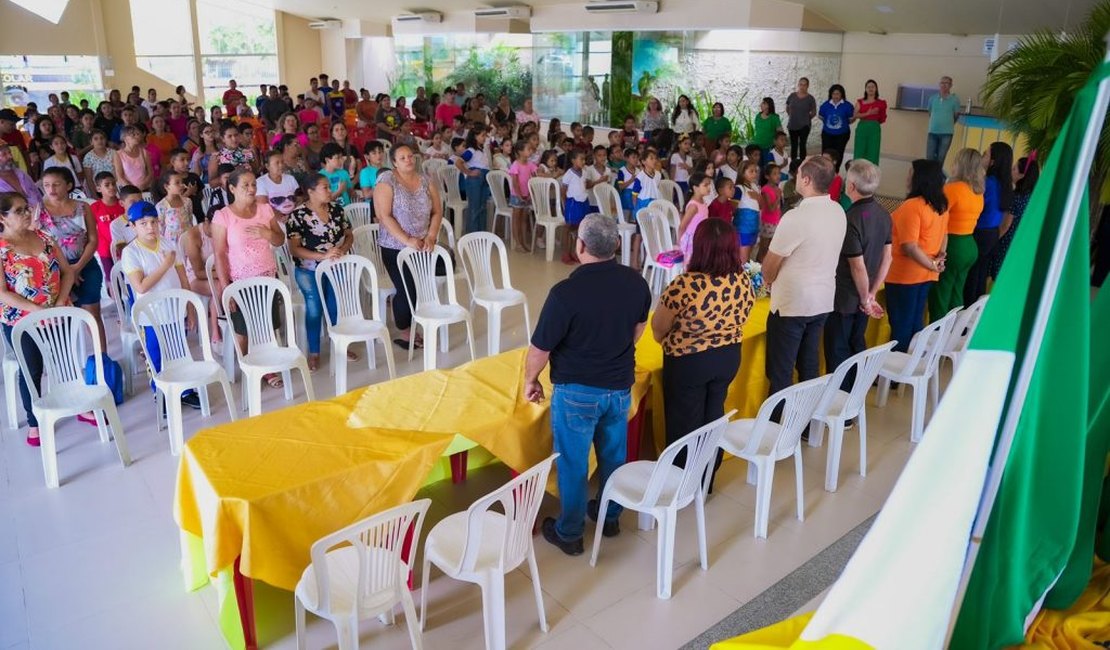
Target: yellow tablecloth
{"x": 750, "y": 387}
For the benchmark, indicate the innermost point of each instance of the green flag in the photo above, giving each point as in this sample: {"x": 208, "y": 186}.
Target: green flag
{"x": 1051, "y": 480}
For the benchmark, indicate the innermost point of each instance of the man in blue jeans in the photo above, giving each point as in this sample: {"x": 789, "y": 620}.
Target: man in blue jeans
{"x": 944, "y": 109}
{"x": 588, "y": 331}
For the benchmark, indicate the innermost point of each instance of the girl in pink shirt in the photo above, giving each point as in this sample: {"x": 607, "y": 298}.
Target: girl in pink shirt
{"x": 520, "y": 172}
{"x": 770, "y": 209}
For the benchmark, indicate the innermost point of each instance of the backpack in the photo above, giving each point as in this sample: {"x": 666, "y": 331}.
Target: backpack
{"x": 113, "y": 376}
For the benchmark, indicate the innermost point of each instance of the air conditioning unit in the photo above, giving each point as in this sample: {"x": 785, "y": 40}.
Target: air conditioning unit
{"x": 422, "y": 17}
{"x": 325, "y": 23}
{"x": 617, "y": 7}
{"x": 504, "y": 12}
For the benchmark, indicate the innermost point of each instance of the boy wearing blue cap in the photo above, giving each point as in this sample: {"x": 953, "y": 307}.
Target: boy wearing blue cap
{"x": 152, "y": 264}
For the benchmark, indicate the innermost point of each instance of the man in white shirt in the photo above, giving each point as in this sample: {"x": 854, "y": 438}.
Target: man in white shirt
{"x": 800, "y": 268}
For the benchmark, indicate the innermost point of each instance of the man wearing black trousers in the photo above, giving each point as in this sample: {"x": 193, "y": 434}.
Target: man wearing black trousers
{"x": 864, "y": 260}
{"x": 800, "y": 267}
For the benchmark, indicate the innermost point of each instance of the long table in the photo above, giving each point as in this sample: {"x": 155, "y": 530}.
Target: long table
{"x": 253, "y": 495}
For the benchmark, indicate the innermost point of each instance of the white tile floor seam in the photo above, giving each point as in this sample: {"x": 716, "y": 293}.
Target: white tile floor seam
{"x": 94, "y": 564}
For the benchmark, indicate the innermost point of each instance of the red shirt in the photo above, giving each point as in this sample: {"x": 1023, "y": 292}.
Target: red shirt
{"x": 836, "y": 187}
{"x": 445, "y": 113}
{"x": 231, "y": 99}
{"x": 721, "y": 210}
{"x": 104, "y": 214}
{"x": 350, "y": 97}
{"x": 879, "y": 117}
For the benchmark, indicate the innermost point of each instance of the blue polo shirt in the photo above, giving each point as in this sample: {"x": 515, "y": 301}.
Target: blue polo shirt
{"x": 836, "y": 118}
{"x": 588, "y": 322}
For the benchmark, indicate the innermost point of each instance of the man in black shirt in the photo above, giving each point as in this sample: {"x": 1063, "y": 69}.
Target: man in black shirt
{"x": 588, "y": 331}
{"x": 864, "y": 262}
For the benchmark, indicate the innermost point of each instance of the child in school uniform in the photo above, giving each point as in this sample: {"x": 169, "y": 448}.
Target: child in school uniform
{"x": 646, "y": 185}
{"x": 597, "y": 173}
{"x": 682, "y": 163}
{"x": 152, "y": 264}
{"x": 626, "y": 177}
{"x": 120, "y": 228}
{"x": 747, "y": 214}
{"x": 577, "y": 204}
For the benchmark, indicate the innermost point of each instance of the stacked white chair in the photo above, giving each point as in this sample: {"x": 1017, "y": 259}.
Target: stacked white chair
{"x": 609, "y": 204}
{"x": 657, "y": 239}
{"x": 387, "y": 153}
{"x": 918, "y": 369}
{"x": 359, "y": 214}
{"x": 433, "y": 311}
{"x": 482, "y": 545}
{"x": 265, "y": 354}
{"x": 962, "y": 330}
{"x": 763, "y": 443}
{"x": 431, "y": 166}
{"x": 57, "y": 333}
{"x": 358, "y": 573}
{"x": 660, "y": 489}
{"x": 670, "y": 214}
{"x": 349, "y": 278}
{"x": 477, "y": 250}
{"x": 547, "y": 207}
{"x": 498, "y": 182}
{"x": 165, "y": 311}
{"x": 451, "y": 195}
{"x": 838, "y": 406}
{"x": 227, "y": 336}
{"x": 11, "y": 385}
{"x": 671, "y": 192}
{"x": 286, "y": 272}
{"x": 128, "y": 336}
{"x": 366, "y": 245}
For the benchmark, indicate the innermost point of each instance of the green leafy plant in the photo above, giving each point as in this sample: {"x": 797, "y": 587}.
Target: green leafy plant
{"x": 495, "y": 70}
{"x": 1032, "y": 86}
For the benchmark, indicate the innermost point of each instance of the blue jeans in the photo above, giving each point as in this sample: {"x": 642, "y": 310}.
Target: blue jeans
{"x": 581, "y": 416}
{"x": 313, "y": 309}
{"x": 33, "y": 357}
{"x": 477, "y": 193}
{"x": 936, "y": 146}
{"x": 905, "y": 307}
{"x": 154, "y": 351}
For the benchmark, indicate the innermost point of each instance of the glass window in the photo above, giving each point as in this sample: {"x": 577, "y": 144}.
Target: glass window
{"x": 165, "y": 53}
{"x": 32, "y": 78}
{"x": 571, "y": 75}
{"x": 239, "y": 45}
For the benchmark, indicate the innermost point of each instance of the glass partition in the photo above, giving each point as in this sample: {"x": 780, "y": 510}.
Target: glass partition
{"x": 572, "y": 76}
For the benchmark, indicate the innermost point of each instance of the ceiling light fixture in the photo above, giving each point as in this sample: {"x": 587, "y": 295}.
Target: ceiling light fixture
{"x": 884, "y": 9}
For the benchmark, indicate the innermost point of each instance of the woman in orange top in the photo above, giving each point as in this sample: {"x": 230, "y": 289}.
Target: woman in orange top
{"x": 160, "y": 136}
{"x": 920, "y": 227}
{"x": 964, "y": 192}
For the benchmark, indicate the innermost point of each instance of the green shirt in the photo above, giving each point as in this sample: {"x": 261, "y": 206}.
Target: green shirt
{"x": 765, "y": 130}
{"x": 715, "y": 127}
{"x": 942, "y": 113}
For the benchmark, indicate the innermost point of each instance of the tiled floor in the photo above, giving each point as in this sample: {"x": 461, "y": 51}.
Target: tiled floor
{"x": 94, "y": 564}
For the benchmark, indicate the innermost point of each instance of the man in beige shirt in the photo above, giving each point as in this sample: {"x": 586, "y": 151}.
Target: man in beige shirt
{"x": 800, "y": 267}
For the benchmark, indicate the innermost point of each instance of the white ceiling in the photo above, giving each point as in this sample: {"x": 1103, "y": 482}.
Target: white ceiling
{"x": 910, "y": 16}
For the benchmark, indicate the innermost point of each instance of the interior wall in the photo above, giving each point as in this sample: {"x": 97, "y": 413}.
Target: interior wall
{"x": 915, "y": 59}
{"x": 298, "y": 51}
{"x": 333, "y": 53}
{"x": 24, "y": 32}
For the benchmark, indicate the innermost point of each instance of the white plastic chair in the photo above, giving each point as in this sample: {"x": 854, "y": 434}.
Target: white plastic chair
{"x": 547, "y": 206}
{"x": 286, "y": 270}
{"x": 387, "y": 153}
{"x": 498, "y": 182}
{"x": 431, "y": 166}
{"x": 128, "y": 336}
{"x": 265, "y": 354}
{"x": 477, "y": 250}
{"x": 763, "y": 443}
{"x": 11, "y": 385}
{"x": 609, "y": 204}
{"x": 448, "y": 177}
{"x": 358, "y": 573}
{"x": 671, "y": 192}
{"x": 838, "y": 406}
{"x": 660, "y": 489}
{"x": 657, "y": 239}
{"x": 481, "y": 545}
{"x": 366, "y": 245}
{"x": 918, "y": 369}
{"x": 962, "y": 330}
{"x": 671, "y": 215}
{"x": 57, "y": 332}
{"x": 359, "y": 214}
{"x": 431, "y": 310}
{"x": 227, "y": 341}
{"x": 165, "y": 312}
{"x": 349, "y": 277}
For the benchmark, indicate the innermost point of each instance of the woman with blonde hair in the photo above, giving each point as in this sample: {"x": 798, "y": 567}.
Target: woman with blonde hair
{"x": 964, "y": 191}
